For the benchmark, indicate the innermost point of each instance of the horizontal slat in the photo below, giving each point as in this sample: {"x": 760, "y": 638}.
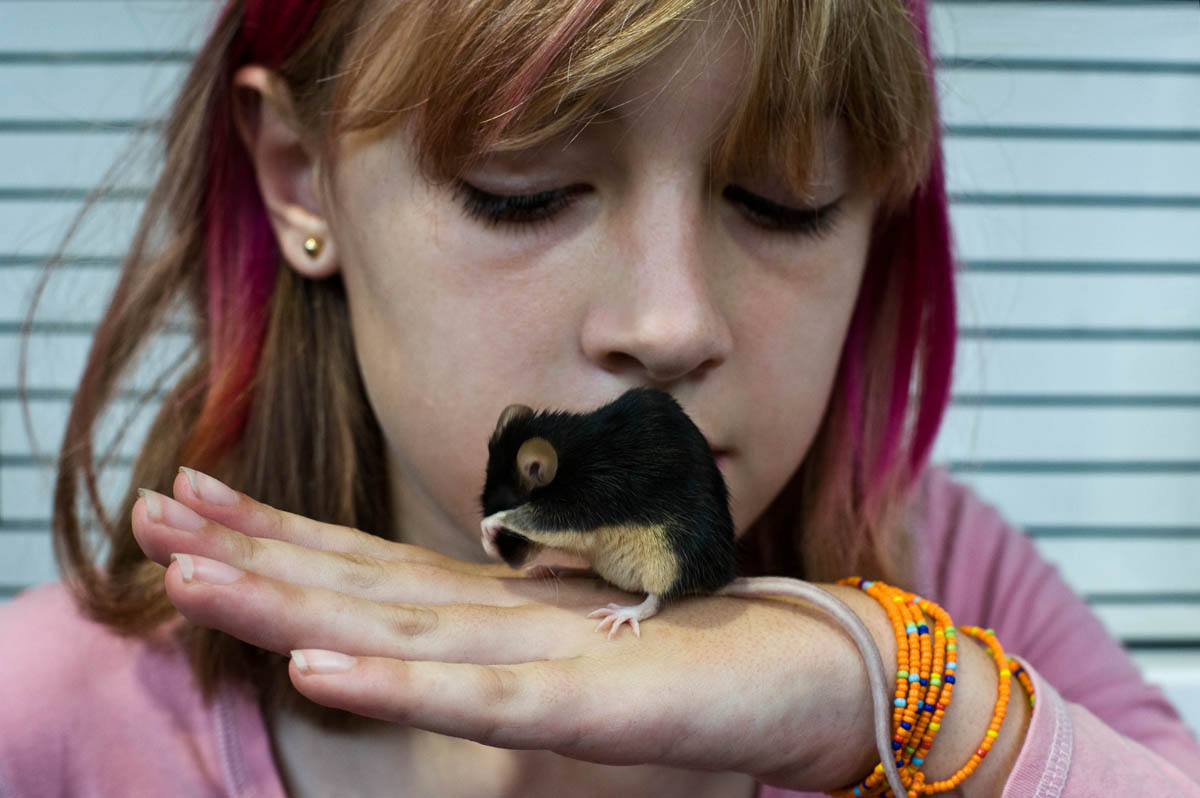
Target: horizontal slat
{"x": 75, "y": 160}
{"x": 27, "y": 492}
{"x": 88, "y": 91}
{"x": 1093, "y": 499}
{"x": 1134, "y": 168}
{"x": 1151, "y": 32}
{"x": 1142, "y": 621}
{"x": 1131, "y": 434}
{"x": 1127, "y": 566}
{"x": 1077, "y": 367}
{"x": 36, "y": 228}
{"x": 57, "y": 360}
{"x": 72, "y": 25}
{"x": 986, "y": 232}
{"x": 1157, "y": 302}
{"x": 1033, "y": 97}
{"x": 49, "y": 420}
{"x": 71, "y": 294}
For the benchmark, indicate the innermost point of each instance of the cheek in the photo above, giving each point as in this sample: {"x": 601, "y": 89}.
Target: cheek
{"x": 793, "y": 330}
{"x": 445, "y": 340}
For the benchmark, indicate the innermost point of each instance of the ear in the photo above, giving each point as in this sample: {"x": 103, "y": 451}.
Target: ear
{"x": 537, "y": 463}
{"x": 286, "y": 166}
{"x": 509, "y": 415}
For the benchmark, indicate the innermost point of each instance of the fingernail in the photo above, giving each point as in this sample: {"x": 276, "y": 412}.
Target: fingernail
{"x": 202, "y": 569}
{"x": 318, "y": 660}
{"x": 153, "y": 505}
{"x": 166, "y": 510}
{"x": 209, "y": 488}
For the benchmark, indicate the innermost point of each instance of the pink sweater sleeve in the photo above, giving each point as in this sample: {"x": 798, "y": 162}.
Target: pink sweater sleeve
{"x": 1098, "y": 728}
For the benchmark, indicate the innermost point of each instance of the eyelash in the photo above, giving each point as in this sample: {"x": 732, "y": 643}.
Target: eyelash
{"x": 495, "y": 210}
{"x": 527, "y": 210}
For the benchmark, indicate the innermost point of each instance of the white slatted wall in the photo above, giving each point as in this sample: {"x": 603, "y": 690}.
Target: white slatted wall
{"x": 1073, "y": 154}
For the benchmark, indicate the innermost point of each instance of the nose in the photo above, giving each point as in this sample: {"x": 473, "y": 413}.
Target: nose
{"x": 660, "y": 312}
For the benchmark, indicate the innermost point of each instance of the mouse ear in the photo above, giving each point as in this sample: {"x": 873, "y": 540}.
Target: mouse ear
{"x": 537, "y": 463}
{"x": 509, "y": 415}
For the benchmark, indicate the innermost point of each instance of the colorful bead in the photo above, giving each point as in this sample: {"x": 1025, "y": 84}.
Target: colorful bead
{"x": 925, "y": 680}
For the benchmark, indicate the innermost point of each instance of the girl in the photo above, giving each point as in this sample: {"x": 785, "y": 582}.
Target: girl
{"x": 391, "y": 220}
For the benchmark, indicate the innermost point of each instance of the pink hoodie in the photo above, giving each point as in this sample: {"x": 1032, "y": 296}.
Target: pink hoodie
{"x": 86, "y": 713}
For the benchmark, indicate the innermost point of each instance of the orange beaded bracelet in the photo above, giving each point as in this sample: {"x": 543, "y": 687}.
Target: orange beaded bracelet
{"x": 919, "y": 712}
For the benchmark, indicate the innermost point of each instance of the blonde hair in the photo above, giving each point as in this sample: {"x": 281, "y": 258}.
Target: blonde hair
{"x": 280, "y": 413}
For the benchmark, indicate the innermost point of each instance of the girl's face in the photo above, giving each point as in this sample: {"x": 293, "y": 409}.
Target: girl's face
{"x": 625, "y": 260}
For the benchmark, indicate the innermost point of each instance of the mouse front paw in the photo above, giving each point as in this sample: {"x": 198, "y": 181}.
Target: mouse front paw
{"x": 615, "y": 615}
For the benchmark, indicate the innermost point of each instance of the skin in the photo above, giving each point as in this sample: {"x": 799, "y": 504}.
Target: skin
{"x": 651, "y": 277}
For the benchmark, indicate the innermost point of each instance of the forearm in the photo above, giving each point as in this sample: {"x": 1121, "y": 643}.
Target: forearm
{"x": 966, "y": 719}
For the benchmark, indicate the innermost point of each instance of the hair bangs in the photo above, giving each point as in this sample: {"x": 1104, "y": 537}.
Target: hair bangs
{"x": 823, "y": 62}
{"x": 470, "y": 78}
{"x": 475, "y": 77}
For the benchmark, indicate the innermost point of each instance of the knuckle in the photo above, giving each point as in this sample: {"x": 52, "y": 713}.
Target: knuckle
{"x": 246, "y": 549}
{"x": 409, "y": 621}
{"x": 359, "y": 571}
{"x": 279, "y": 525}
{"x": 499, "y": 685}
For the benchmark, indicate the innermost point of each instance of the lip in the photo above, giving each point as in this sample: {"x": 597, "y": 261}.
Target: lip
{"x": 722, "y": 457}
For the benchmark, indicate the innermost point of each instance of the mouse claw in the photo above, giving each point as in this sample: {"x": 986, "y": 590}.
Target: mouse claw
{"x": 615, "y": 615}
{"x": 614, "y": 622}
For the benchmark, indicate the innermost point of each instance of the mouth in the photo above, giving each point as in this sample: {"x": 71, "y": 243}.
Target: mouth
{"x": 721, "y": 455}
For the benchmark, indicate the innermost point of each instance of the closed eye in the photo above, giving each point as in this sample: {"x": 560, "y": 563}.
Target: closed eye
{"x": 516, "y": 209}
{"x": 783, "y": 218}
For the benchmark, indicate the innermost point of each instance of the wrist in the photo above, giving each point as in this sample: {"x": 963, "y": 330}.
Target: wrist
{"x": 846, "y": 750}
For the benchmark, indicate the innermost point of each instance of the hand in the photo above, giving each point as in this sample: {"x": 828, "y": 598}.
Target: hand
{"x": 476, "y": 651}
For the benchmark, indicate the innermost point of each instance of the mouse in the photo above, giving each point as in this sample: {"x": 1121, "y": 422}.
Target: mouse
{"x": 632, "y": 492}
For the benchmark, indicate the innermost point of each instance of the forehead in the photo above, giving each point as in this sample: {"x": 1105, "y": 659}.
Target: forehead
{"x": 704, "y": 72}
{"x": 681, "y": 102}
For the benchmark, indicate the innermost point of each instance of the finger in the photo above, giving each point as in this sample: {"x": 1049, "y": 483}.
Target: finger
{"x": 279, "y": 616}
{"x": 182, "y": 530}
{"x": 549, "y": 705}
{"x": 217, "y": 501}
